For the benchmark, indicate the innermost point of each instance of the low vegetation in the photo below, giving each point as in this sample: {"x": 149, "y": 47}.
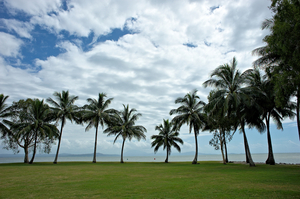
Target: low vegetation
{"x": 148, "y": 180}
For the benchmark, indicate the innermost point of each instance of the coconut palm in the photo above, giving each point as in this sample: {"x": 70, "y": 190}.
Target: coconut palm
{"x": 190, "y": 113}
{"x": 38, "y": 121}
{"x": 230, "y": 84}
{"x": 167, "y": 138}
{"x": 267, "y": 104}
{"x": 64, "y": 109}
{"x": 123, "y": 125}
{"x": 96, "y": 113}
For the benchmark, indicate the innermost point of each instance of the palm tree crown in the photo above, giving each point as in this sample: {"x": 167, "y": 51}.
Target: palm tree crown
{"x": 230, "y": 84}
{"x": 123, "y": 125}
{"x": 167, "y": 138}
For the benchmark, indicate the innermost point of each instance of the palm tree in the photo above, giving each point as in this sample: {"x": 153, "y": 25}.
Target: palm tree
{"x": 123, "y": 125}
{"x": 64, "y": 109}
{"x": 38, "y": 121}
{"x": 267, "y": 103}
{"x": 218, "y": 123}
{"x": 167, "y": 138}
{"x": 190, "y": 113}
{"x": 230, "y": 84}
{"x": 4, "y": 113}
{"x": 96, "y": 113}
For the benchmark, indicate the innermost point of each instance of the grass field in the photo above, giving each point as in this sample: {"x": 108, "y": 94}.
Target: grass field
{"x": 148, "y": 180}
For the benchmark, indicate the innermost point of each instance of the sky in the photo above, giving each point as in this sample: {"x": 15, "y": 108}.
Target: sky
{"x": 142, "y": 53}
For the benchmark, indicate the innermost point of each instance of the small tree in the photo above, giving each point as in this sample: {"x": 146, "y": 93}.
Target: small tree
{"x": 123, "y": 125}
{"x": 167, "y": 138}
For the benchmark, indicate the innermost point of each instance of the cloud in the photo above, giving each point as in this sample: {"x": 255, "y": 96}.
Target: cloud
{"x": 21, "y": 28}
{"x": 10, "y": 45}
{"x": 33, "y": 7}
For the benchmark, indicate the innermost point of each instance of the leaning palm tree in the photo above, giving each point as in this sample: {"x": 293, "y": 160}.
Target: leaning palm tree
{"x": 230, "y": 84}
{"x": 96, "y": 113}
{"x": 123, "y": 125}
{"x": 167, "y": 138}
{"x": 64, "y": 109}
{"x": 267, "y": 103}
{"x": 38, "y": 121}
{"x": 190, "y": 113}
{"x": 4, "y": 113}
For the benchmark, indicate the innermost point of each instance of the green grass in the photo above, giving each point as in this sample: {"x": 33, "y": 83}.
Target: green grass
{"x": 148, "y": 180}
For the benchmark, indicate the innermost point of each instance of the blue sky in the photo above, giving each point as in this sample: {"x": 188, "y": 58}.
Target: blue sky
{"x": 141, "y": 53}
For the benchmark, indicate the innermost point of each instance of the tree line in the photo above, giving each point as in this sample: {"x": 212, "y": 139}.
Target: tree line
{"x": 238, "y": 100}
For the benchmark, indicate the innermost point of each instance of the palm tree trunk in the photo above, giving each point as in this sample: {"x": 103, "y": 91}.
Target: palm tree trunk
{"x": 222, "y": 144}
{"x": 196, "y": 143}
{"x": 122, "y": 151}
{"x": 297, "y": 111}
{"x": 226, "y": 155}
{"x": 247, "y": 150}
{"x": 95, "y": 148}
{"x": 34, "y": 148}
{"x": 61, "y": 129}
{"x": 26, "y": 159}
{"x": 167, "y": 158}
{"x": 270, "y": 159}
{"x": 222, "y": 150}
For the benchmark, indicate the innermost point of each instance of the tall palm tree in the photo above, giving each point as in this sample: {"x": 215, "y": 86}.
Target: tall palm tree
{"x": 4, "y": 113}
{"x": 267, "y": 104}
{"x": 96, "y": 113}
{"x": 38, "y": 121}
{"x": 190, "y": 113}
{"x": 167, "y": 138}
{"x": 230, "y": 84}
{"x": 64, "y": 109}
{"x": 123, "y": 125}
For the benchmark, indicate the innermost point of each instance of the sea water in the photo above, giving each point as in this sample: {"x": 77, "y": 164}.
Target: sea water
{"x": 289, "y": 158}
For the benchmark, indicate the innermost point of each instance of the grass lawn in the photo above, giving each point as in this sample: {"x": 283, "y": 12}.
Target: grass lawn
{"x": 148, "y": 180}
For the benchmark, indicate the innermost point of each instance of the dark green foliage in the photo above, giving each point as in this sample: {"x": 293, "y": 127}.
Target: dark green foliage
{"x": 36, "y": 125}
{"x": 167, "y": 138}
{"x": 283, "y": 46}
{"x": 4, "y": 113}
{"x": 234, "y": 99}
{"x": 266, "y": 101}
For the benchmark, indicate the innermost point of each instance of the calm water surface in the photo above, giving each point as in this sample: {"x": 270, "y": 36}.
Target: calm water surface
{"x": 291, "y": 158}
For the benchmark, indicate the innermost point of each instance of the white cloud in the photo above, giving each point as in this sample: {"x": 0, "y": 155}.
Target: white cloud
{"x": 33, "y": 7}
{"x": 21, "y": 28}
{"x": 10, "y": 45}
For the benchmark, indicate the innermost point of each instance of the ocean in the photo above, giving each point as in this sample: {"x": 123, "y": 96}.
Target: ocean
{"x": 288, "y": 158}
